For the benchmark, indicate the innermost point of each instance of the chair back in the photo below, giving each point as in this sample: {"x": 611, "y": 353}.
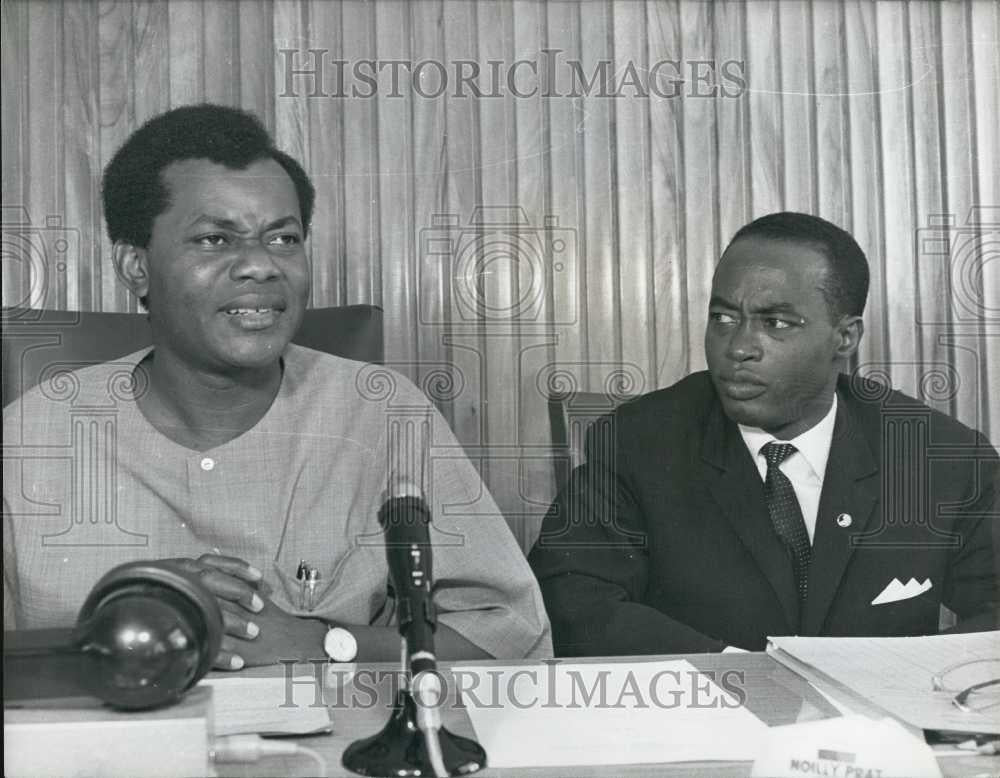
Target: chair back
{"x": 35, "y": 341}
{"x": 571, "y": 415}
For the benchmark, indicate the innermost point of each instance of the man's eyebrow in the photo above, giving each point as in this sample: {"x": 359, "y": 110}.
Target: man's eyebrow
{"x": 284, "y": 221}
{"x": 229, "y": 224}
{"x": 721, "y": 302}
{"x": 775, "y": 308}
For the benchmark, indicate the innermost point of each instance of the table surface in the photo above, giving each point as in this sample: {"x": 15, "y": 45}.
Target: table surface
{"x": 773, "y": 693}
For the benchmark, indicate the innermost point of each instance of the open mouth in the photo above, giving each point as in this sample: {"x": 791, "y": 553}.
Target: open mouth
{"x": 253, "y": 319}
{"x": 249, "y": 311}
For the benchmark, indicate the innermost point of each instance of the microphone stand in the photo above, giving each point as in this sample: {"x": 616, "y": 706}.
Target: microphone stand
{"x": 414, "y": 743}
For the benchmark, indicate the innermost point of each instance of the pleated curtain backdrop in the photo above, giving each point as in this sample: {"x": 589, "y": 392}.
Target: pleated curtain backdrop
{"x": 551, "y": 224}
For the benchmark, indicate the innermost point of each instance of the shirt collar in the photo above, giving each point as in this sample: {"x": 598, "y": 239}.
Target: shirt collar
{"x": 813, "y": 444}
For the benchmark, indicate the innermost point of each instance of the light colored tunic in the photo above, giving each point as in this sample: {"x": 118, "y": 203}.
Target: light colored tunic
{"x": 89, "y": 484}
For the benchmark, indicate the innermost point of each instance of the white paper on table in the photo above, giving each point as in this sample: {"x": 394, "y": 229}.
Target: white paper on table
{"x": 895, "y": 674}
{"x": 259, "y": 705}
{"x": 652, "y": 712}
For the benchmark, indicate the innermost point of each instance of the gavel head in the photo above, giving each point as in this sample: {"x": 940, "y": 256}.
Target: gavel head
{"x": 147, "y": 633}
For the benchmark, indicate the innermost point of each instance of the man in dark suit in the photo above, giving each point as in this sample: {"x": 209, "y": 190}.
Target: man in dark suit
{"x": 772, "y": 495}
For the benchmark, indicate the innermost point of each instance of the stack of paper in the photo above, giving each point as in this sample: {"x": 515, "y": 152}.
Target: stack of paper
{"x": 602, "y": 714}
{"x": 896, "y": 674}
{"x": 266, "y": 706}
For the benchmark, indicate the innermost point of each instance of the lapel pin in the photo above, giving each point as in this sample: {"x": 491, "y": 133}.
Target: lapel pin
{"x": 844, "y": 520}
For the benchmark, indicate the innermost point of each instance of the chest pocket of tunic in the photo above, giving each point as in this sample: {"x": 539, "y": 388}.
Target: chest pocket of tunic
{"x": 327, "y": 526}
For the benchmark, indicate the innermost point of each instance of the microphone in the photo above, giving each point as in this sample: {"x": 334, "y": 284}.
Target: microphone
{"x": 405, "y": 518}
{"x": 413, "y": 742}
{"x": 145, "y": 635}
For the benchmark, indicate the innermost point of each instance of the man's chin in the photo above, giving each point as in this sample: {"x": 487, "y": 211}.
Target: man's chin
{"x": 749, "y": 413}
{"x": 255, "y": 352}
{"x": 257, "y": 343}
{"x": 259, "y": 359}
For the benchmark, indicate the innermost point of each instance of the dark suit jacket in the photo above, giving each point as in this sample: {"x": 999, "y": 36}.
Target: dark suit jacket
{"x": 661, "y": 542}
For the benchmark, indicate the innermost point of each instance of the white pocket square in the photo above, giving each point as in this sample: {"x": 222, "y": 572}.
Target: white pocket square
{"x": 897, "y": 590}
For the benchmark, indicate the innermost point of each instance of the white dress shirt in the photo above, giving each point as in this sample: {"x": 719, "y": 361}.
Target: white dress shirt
{"x": 805, "y": 468}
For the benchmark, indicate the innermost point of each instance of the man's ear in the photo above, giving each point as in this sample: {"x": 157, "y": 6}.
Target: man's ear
{"x": 849, "y": 332}
{"x": 132, "y": 266}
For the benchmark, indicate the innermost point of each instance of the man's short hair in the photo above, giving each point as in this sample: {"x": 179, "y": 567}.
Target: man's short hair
{"x": 133, "y": 190}
{"x": 846, "y": 286}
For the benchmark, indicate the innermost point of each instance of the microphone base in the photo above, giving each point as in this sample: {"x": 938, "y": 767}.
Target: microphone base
{"x": 399, "y": 749}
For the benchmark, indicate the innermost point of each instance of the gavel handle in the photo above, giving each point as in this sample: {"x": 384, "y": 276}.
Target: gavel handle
{"x": 39, "y": 642}
{"x": 40, "y": 664}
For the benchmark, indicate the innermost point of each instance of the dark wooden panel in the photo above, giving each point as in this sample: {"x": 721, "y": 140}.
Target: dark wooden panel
{"x": 632, "y": 200}
{"x": 257, "y": 62}
{"x": 798, "y": 101}
{"x": 868, "y": 217}
{"x": 601, "y": 308}
{"x": 508, "y": 255}
{"x": 186, "y": 52}
{"x": 45, "y": 128}
{"x": 986, "y": 89}
{"x": 464, "y": 331}
{"x": 936, "y": 380}
{"x": 81, "y": 116}
{"x": 670, "y": 322}
{"x": 701, "y": 179}
{"x": 960, "y": 162}
{"x": 222, "y": 63}
{"x": 326, "y": 133}
{"x": 115, "y": 120}
{"x": 536, "y": 338}
{"x": 17, "y": 256}
{"x": 393, "y": 269}
{"x": 764, "y": 74}
{"x": 895, "y": 106}
{"x": 734, "y": 122}
{"x": 361, "y": 159}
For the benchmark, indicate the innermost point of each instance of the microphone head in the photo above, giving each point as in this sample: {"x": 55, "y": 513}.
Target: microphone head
{"x": 403, "y": 509}
{"x": 399, "y": 486}
{"x": 147, "y": 634}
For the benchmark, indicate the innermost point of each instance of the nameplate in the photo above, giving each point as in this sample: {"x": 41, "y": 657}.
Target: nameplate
{"x": 844, "y": 747}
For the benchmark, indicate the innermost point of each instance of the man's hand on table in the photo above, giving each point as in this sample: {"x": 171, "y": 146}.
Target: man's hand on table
{"x": 256, "y": 631}
{"x": 281, "y": 635}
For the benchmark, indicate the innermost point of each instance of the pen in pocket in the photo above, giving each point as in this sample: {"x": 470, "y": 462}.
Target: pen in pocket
{"x": 312, "y": 588}
{"x": 308, "y": 579}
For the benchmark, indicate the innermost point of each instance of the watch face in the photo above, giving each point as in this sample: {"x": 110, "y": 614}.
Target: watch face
{"x": 340, "y": 645}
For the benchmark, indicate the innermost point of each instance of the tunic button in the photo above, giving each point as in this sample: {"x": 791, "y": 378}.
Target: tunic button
{"x": 207, "y": 463}
{"x": 844, "y": 520}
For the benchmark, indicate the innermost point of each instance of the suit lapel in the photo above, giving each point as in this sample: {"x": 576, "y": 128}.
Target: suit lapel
{"x": 850, "y": 488}
{"x": 735, "y": 485}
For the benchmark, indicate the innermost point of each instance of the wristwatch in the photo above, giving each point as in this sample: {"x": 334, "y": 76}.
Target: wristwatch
{"x": 340, "y": 645}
